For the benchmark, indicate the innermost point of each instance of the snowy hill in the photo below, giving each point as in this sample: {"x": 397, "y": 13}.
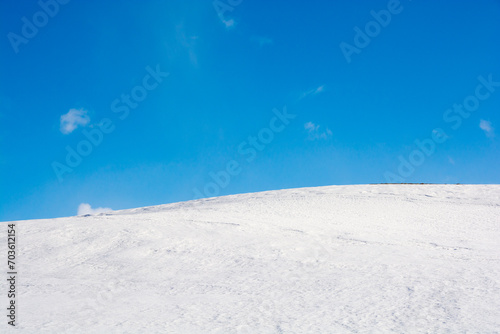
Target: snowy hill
{"x": 338, "y": 259}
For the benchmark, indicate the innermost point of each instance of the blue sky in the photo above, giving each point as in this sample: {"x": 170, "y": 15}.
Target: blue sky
{"x": 187, "y": 99}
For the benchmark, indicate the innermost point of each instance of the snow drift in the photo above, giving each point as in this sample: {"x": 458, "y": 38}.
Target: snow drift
{"x": 338, "y": 259}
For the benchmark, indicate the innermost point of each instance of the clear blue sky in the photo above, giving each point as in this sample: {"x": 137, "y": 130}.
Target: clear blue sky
{"x": 217, "y": 123}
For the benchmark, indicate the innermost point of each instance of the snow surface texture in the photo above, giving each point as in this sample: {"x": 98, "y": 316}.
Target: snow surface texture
{"x": 338, "y": 259}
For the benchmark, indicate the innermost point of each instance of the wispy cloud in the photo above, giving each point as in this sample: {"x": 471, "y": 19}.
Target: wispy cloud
{"x": 314, "y": 132}
{"x": 314, "y": 91}
{"x": 487, "y": 128}
{"x": 188, "y": 42}
{"x": 261, "y": 40}
{"x": 73, "y": 119}
{"x": 86, "y": 209}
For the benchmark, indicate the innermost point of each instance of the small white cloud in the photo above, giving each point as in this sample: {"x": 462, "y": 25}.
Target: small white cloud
{"x": 228, "y": 23}
{"x": 487, "y": 128}
{"x": 320, "y": 89}
{"x": 73, "y": 119}
{"x": 262, "y": 41}
{"x": 314, "y": 91}
{"x": 86, "y": 209}
{"x": 311, "y": 126}
{"x": 450, "y": 160}
{"x": 315, "y": 133}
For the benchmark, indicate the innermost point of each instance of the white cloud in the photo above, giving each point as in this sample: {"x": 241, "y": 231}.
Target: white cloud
{"x": 262, "y": 41}
{"x": 314, "y": 91}
{"x": 310, "y": 126}
{"x": 320, "y": 89}
{"x": 73, "y": 119}
{"x": 487, "y": 128}
{"x": 228, "y": 23}
{"x": 315, "y": 133}
{"x": 86, "y": 209}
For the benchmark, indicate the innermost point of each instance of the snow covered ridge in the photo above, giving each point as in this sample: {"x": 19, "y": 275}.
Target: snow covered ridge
{"x": 338, "y": 259}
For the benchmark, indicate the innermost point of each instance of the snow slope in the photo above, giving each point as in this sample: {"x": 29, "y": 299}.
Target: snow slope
{"x": 338, "y": 259}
